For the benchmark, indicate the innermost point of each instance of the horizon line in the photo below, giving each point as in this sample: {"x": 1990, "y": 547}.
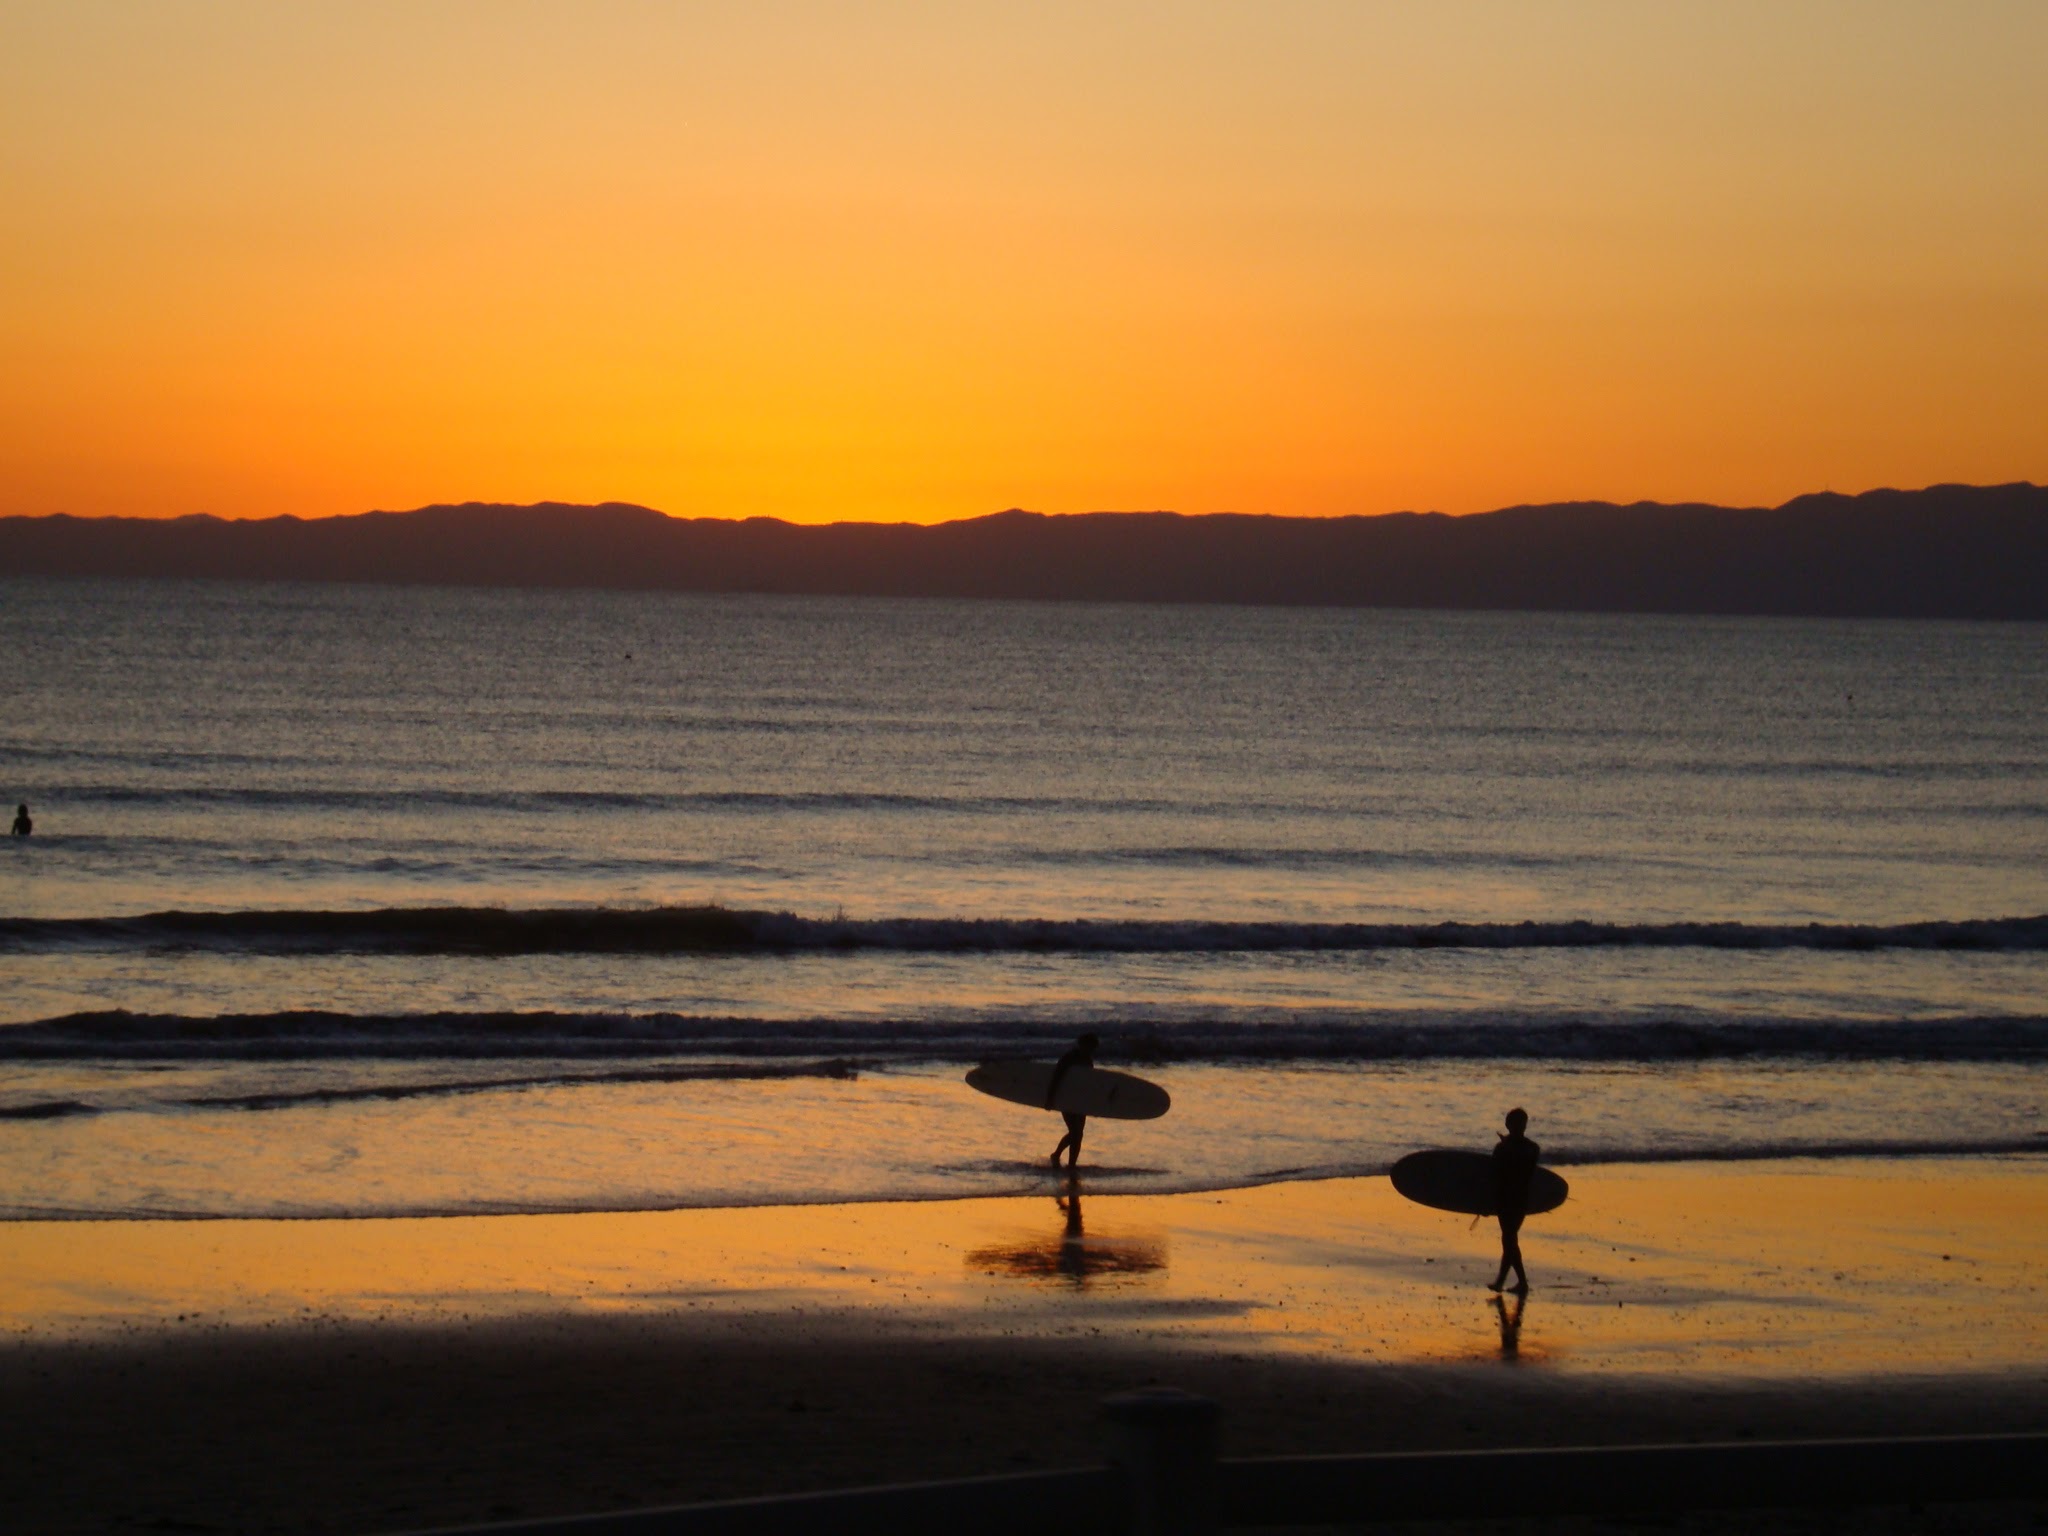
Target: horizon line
{"x": 1012, "y": 511}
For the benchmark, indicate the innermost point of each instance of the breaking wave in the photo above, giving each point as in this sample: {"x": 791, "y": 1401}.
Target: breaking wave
{"x": 840, "y": 1046}
{"x": 681, "y": 930}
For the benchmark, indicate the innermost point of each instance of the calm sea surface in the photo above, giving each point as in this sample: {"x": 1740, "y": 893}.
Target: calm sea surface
{"x": 346, "y": 900}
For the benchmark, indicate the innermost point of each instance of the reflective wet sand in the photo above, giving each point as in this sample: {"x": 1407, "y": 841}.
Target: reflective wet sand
{"x": 399, "y": 1374}
{"x": 1781, "y": 1270}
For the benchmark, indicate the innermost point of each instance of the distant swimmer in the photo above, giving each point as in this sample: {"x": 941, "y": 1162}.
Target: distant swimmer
{"x": 1081, "y": 1054}
{"x": 22, "y": 825}
{"x": 1514, "y": 1163}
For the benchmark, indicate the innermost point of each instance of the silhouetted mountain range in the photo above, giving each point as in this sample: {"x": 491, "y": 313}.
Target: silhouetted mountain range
{"x": 1951, "y": 551}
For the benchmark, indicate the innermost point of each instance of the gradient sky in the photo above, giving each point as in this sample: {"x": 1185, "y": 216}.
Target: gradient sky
{"x": 925, "y": 261}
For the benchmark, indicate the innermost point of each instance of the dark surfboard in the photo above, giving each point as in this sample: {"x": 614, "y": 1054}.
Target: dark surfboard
{"x": 1083, "y": 1091}
{"x": 1463, "y": 1182}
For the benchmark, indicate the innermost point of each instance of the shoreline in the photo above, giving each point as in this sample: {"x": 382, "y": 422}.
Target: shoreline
{"x": 1108, "y": 1186}
{"x": 1905, "y": 1245}
{"x": 390, "y": 1374}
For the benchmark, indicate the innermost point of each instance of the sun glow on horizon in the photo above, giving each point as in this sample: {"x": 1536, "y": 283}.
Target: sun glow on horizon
{"x": 895, "y": 265}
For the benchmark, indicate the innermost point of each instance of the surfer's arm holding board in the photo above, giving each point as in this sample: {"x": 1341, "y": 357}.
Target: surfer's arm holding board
{"x": 1080, "y": 1054}
{"x": 1059, "y": 1070}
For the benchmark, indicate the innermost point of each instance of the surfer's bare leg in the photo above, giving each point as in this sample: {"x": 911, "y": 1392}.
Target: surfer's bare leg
{"x": 1071, "y": 1142}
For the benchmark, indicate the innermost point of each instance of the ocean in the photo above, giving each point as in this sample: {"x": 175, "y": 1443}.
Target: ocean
{"x": 351, "y": 900}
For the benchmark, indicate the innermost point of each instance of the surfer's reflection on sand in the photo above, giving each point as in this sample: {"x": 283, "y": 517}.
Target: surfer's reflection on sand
{"x": 1509, "y": 1311}
{"x": 1073, "y": 1257}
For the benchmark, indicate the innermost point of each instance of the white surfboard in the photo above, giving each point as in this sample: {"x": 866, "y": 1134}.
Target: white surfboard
{"x": 1083, "y": 1091}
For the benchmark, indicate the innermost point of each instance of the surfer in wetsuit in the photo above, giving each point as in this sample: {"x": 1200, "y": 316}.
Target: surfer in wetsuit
{"x": 22, "y": 825}
{"x": 1080, "y": 1054}
{"x": 1514, "y": 1160}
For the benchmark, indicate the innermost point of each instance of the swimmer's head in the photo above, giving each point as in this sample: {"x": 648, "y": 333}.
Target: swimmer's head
{"x": 1518, "y": 1121}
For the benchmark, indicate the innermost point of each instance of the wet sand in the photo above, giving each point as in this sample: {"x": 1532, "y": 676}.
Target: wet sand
{"x": 380, "y": 1375}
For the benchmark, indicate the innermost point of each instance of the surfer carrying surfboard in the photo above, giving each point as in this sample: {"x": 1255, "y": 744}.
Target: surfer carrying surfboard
{"x": 1514, "y": 1164}
{"x": 1080, "y": 1054}
{"x": 1077, "y": 1088}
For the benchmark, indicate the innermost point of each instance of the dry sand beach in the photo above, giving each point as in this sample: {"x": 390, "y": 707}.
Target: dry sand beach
{"x": 379, "y": 1375}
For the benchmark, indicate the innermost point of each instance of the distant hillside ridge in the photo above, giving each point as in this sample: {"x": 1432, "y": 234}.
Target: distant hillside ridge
{"x": 1949, "y": 551}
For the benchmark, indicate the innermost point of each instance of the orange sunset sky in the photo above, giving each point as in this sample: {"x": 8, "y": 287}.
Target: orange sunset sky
{"x": 893, "y": 261}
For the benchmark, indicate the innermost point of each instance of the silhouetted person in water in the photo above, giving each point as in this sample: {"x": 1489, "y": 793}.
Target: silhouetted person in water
{"x": 1514, "y": 1160}
{"x": 22, "y": 825}
{"x": 1081, "y": 1054}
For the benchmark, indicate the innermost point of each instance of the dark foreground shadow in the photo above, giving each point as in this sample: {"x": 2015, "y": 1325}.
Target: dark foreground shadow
{"x": 1074, "y": 1256}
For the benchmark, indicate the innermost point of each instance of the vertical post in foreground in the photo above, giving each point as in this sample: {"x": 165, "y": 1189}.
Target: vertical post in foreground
{"x": 1164, "y": 1442}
